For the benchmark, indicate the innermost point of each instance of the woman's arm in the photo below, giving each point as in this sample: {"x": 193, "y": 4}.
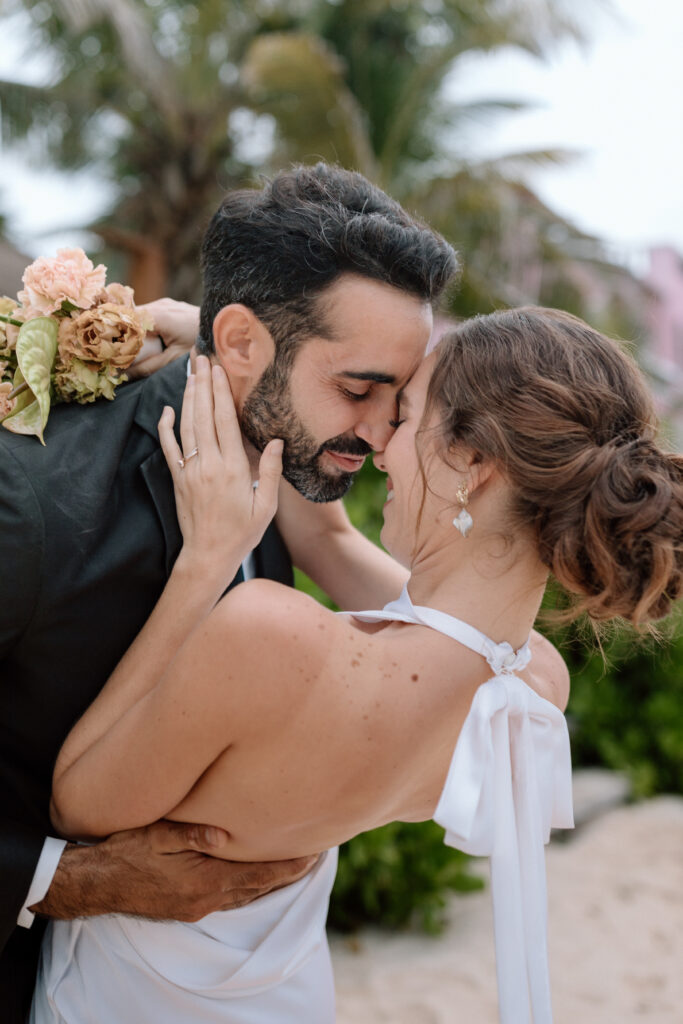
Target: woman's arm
{"x": 324, "y": 544}
{"x": 154, "y": 748}
{"x": 176, "y": 326}
{"x": 222, "y": 517}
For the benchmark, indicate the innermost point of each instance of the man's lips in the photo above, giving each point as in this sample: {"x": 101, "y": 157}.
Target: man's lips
{"x": 349, "y": 463}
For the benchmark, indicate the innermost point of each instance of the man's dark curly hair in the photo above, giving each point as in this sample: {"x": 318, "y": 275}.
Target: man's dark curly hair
{"x": 276, "y": 249}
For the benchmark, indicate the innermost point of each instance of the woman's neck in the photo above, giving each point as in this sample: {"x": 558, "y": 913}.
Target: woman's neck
{"x": 497, "y": 592}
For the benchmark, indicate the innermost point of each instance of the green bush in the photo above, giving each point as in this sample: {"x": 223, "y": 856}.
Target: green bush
{"x": 626, "y": 711}
{"x": 398, "y": 875}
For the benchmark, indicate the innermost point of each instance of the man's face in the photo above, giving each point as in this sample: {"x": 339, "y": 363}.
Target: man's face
{"x": 337, "y": 403}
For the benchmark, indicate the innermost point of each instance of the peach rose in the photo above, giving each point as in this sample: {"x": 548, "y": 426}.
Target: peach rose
{"x": 76, "y": 381}
{"x": 68, "y": 277}
{"x": 106, "y": 335}
{"x": 119, "y": 294}
{"x": 8, "y": 333}
{"x": 6, "y": 403}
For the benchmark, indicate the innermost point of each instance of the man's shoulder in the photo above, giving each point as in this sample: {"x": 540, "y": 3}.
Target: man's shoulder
{"x": 93, "y": 426}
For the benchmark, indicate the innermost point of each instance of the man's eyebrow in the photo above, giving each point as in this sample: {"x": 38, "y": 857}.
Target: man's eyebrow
{"x": 373, "y": 375}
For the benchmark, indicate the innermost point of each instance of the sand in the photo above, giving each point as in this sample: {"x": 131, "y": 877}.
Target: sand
{"x": 616, "y": 937}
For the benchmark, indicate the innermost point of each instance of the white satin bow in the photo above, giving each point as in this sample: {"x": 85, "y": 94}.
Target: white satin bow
{"x": 509, "y": 782}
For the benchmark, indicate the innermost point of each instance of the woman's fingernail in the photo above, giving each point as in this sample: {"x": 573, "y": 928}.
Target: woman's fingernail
{"x": 212, "y": 836}
{"x": 278, "y": 447}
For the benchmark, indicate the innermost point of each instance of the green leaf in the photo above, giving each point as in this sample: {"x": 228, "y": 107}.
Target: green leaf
{"x": 36, "y": 350}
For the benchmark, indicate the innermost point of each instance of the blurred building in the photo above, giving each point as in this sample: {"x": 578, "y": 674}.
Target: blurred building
{"x": 12, "y": 266}
{"x": 665, "y": 322}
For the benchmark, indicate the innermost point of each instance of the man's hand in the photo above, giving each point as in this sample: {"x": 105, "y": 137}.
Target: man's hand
{"x": 168, "y": 870}
{"x": 176, "y": 325}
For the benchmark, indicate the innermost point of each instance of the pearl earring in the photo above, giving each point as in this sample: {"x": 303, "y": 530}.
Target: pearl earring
{"x": 463, "y": 521}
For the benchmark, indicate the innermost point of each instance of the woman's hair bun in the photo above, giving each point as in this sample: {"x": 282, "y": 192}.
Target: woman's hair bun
{"x": 619, "y": 547}
{"x": 566, "y": 413}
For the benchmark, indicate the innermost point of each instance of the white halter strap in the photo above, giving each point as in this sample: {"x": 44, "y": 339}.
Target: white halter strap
{"x": 509, "y": 782}
{"x": 501, "y": 657}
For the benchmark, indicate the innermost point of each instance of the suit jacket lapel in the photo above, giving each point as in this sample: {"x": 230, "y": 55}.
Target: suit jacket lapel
{"x": 271, "y": 558}
{"x": 166, "y": 387}
{"x": 158, "y": 480}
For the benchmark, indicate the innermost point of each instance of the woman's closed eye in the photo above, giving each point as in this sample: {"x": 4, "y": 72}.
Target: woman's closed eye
{"x": 396, "y": 423}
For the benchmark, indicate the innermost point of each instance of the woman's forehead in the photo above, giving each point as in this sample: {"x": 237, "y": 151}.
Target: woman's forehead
{"x": 415, "y": 391}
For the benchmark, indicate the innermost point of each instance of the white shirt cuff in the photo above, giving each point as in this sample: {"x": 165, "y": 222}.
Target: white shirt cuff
{"x": 249, "y": 567}
{"x": 42, "y": 878}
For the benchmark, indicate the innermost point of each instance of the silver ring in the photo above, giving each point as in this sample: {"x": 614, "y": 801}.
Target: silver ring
{"x": 186, "y": 458}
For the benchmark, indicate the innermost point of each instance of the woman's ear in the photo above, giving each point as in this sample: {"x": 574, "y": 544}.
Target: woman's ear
{"x": 243, "y": 344}
{"x": 479, "y": 472}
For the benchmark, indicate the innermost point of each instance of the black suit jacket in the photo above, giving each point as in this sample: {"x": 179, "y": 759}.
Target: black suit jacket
{"x": 88, "y": 534}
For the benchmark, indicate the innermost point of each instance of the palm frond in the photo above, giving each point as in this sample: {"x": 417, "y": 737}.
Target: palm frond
{"x": 522, "y": 160}
{"x": 20, "y": 106}
{"x": 134, "y": 32}
{"x": 299, "y": 81}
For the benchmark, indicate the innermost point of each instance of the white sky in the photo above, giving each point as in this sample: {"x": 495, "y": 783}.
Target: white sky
{"x": 619, "y": 102}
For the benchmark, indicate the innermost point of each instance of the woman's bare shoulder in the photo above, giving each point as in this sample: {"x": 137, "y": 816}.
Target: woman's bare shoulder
{"x": 548, "y": 672}
{"x": 261, "y": 605}
{"x": 270, "y": 625}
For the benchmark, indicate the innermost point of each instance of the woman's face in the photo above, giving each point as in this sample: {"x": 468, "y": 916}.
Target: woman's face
{"x": 401, "y": 534}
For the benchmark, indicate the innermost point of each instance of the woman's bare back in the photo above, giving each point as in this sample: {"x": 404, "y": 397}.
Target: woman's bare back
{"x": 337, "y": 726}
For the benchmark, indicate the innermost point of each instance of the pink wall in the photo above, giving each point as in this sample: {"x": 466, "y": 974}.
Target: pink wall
{"x": 665, "y": 277}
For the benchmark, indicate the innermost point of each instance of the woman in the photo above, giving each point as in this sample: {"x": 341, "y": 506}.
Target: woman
{"x": 525, "y": 446}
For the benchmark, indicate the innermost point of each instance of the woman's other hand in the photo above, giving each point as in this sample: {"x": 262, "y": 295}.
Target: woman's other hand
{"x": 176, "y": 325}
{"x": 222, "y": 512}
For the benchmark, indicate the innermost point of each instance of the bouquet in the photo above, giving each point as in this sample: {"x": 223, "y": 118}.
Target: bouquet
{"x": 67, "y": 338}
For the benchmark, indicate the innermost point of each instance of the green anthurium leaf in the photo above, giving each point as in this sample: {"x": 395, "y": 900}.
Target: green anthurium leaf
{"x": 25, "y": 417}
{"x": 35, "y": 350}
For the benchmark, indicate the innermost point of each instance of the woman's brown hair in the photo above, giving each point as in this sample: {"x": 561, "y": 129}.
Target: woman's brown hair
{"x": 566, "y": 414}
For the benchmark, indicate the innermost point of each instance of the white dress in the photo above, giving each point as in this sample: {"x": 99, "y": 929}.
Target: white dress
{"x": 509, "y": 781}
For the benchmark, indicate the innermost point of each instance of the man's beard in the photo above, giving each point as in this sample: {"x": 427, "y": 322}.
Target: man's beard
{"x": 268, "y": 412}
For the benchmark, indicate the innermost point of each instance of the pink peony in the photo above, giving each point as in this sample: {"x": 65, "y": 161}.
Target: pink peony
{"x": 67, "y": 277}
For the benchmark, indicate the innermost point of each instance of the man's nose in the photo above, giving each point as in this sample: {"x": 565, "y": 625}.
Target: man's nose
{"x": 377, "y": 432}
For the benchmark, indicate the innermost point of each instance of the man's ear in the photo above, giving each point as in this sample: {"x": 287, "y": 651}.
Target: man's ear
{"x": 243, "y": 344}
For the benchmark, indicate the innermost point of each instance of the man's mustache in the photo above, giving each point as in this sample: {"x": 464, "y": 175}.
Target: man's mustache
{"x": 346, "y": 446}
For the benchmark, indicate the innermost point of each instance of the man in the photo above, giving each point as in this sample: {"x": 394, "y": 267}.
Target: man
{"x": 318, "y": 293}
